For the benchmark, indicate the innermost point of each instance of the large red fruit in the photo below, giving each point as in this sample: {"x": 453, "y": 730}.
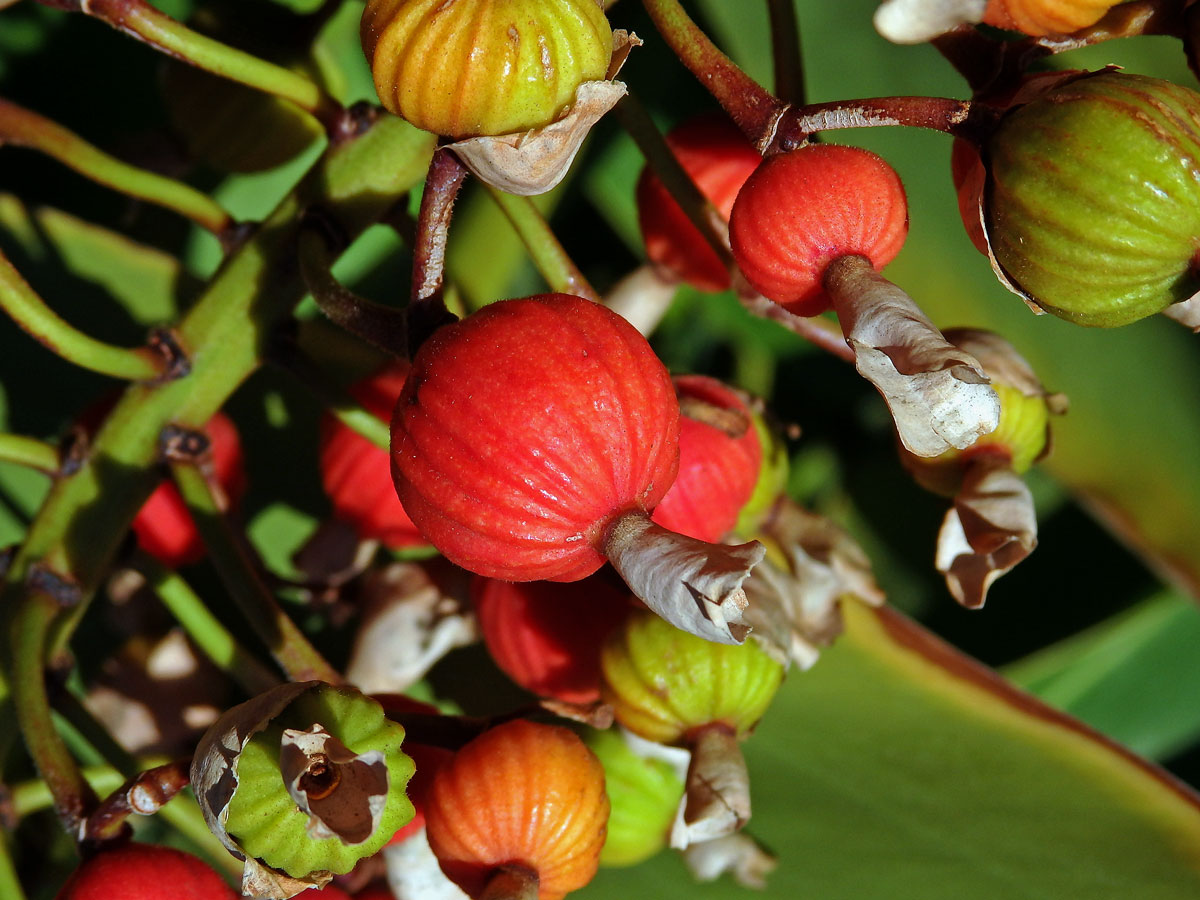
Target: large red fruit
{"x": 145, "y": 872}
{"x": 803, "y": 209}
{"x": 525, "y": 429}
{"x": 545, "y": 636}
{"x": 719, "y": 159}
{"x": 356, "y": 473}
{"x": 164, "y": 527}
{"x": 717, "y": 467}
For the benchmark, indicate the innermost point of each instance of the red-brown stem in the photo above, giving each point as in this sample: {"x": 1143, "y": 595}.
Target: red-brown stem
{"x": 785, "y": 51}
{"x": 797, "y": 124}
{"x": 511, "y": 882}
{"x": 747, "y": 102}
{"x": 822, "y": 332}
{"x": 427, "y": 309}
{"x": 144, "y": 794}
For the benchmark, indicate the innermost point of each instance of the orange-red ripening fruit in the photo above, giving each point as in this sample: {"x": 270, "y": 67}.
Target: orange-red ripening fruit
{"x": 803, "y": 209}
{"x": 520, "y": 794}
{"x": 357, "y": 474}
{"x": 546, "y": 636}
{"x": 163, "y": 525}
{"x": 719, "y": 159}
{"x": 1044, "y": 17}
{"x": 524, "y": 429}
{"x": 717, "y": 471}
{"x": 145, "y": 872}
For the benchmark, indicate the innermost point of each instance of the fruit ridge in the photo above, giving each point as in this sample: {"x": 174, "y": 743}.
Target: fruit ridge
{"x": 521, "y": 793}
{"x": 464, "y": 68}
{"x": 1045, "y": 17}
{"x": 525, "y": 428}
{"x": 803, "y": 209}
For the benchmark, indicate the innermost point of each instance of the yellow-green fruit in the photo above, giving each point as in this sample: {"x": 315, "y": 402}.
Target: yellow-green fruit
{"x": 662, "y": 682}
{"x": 772, "y": 478}
{"x": 465, "y": 68}
{"x": 1093, "y": 197}
{"x": 643, "y": 795}
{"x": 264, "y": 819}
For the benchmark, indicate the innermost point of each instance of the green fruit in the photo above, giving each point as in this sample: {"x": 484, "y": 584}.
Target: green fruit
{"x": 663, "y": 683}
{"x": 1093, "y": 203}
{"x": 643, "y": 794}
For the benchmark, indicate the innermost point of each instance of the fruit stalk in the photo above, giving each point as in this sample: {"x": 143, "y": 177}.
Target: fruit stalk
{"x": 786, "y": 52}
{"x": 511, "y": 883}
{"x": 140, "y": 20}
{"x": 21, "y": 127}
{"x": 427, "y": 308}
{"x": 29, "y": 452}
{"x": 797, "y": 124}
{"x": 546, "y": 251}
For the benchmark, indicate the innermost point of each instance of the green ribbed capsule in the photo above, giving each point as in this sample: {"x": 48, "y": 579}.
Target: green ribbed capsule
{"x": 1093, "y": 197}
{"x": 467, "y": 68}
{"x": 663, "y": 683}
{"x": 263, "y": 816}
{"x": 643, "y": 795}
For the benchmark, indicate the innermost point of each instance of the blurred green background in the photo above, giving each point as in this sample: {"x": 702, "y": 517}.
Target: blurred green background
{"x": 869, "y": 779}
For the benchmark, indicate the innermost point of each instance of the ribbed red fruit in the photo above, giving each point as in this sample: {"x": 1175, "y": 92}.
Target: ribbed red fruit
{"x": 717, "y": 470}
{"x": 357, "y": 474}
{"x": 164, "y": 527}
{"x": 546, "y": 636}
{"x": 145, "y": 872}
{"x": 524, "y": 429}
{"x": 719, "y": 159}
{"x": 802, "y": 210}
{"x": 520, "y": 794}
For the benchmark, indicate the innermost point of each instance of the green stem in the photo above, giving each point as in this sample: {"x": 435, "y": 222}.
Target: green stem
{"x": 73, "y": 798}
{"x": 786, "y": 52}
{"x": 29, "y": 452}
{"x": 30, "y": 312}
{"x": 10, "y": 885}
{"x": 381, "y": 326}
{"x": 749, "y": 105}
{"x": 543, "y": 245}
{"x": 232, "y": 557}
{"x": 344, "y": 408}
{"x": 213, "y": 638}
{"x": 25, "y": 128}
{"x": 637, "y": 122}
{"x": 139, "y": 19}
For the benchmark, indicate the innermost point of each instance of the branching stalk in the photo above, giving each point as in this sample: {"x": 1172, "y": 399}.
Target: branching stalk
{"x": 785, "y": 50}
{"x": 543, "y": 245}
{"x": 381, "y": 326}
{"x": 240, "y": 573}
{"x": 140, "y": 20}
{"x": 749, "y": 104}
{"x": 30, "y": 312}
{"x": 797, "y": 124}
{"x": 29, "y": 452}
{"x": 427, "y": 308}
{"x": 24, "y": 128}
{"x": 205, "y": 629}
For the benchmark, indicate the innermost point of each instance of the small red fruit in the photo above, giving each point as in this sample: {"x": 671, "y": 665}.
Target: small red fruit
{"x": 718, "y": 467}
{"x": 524, "y": 430}
{"x": 164, "y": 527}
{"x": 546, "y": 636}
{"x": 521, "y": 797}
{"x": 356, "y": 473}
{"x": 145, "y": 872}
{"x": 719, "y": 159}
{"x": 804, "y": 209}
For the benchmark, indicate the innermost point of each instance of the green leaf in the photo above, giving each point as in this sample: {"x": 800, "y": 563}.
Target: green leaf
{"x": 1134, "y": 677}
{"x": 899, "y": 768}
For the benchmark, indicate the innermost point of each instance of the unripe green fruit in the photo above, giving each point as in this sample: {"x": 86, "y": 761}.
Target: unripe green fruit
{"x": 663, "y": 683}
{"x": 483, "y": 67}
{"x": 1093, "y": 203}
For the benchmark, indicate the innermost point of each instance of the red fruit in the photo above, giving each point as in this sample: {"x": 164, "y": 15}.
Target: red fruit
{"x": 357, "y": 474}
{"x": 525, "y": 429}
{"x": 546, "y": 636}
{"x": 145, "y": 872}
{"x": 717, "y": 471}
{"x": 164, "y": 527}
{"x": 802, "y": 210}
{"x": 719, "y": 159}
{"x": 329, "y": 892}
{"x": 523, "y": 795}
